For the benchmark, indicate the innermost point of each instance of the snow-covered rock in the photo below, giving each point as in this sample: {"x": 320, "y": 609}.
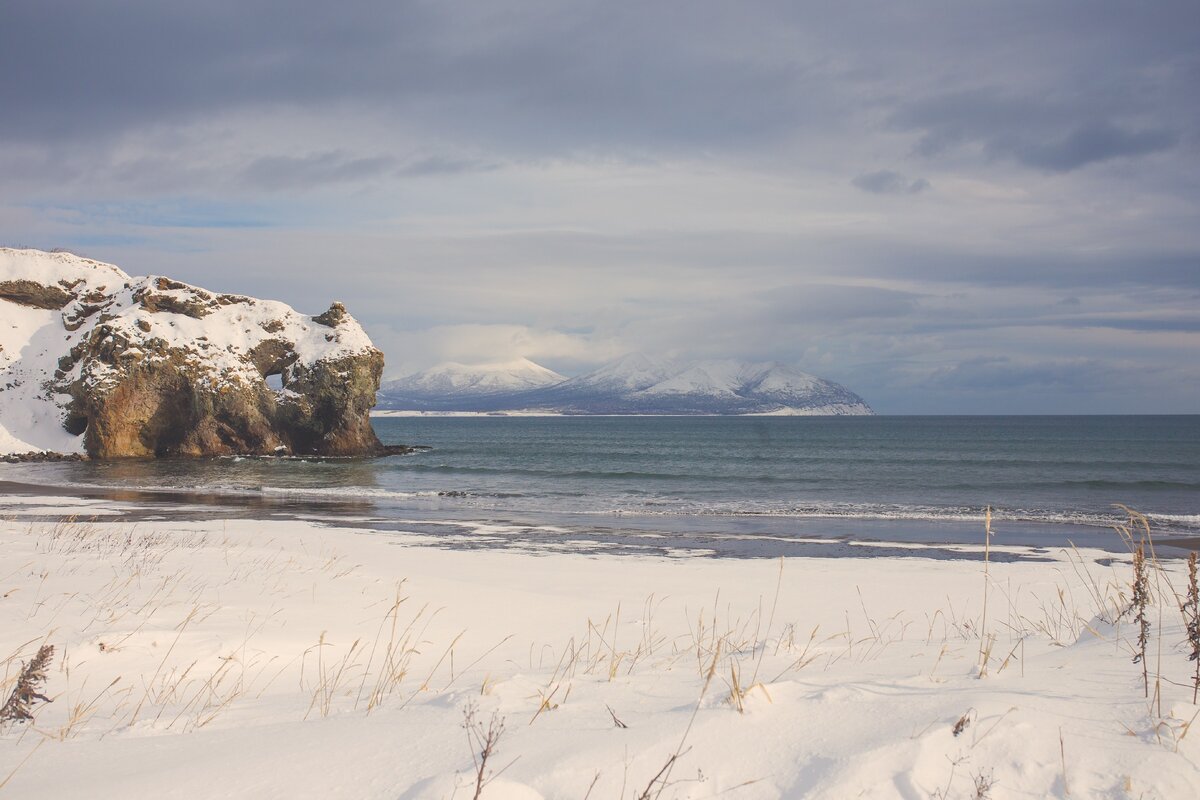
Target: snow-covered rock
{"x": 94, "y": 360}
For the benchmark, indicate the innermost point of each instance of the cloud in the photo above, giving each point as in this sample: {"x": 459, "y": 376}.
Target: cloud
{"x": 276, "y": 173}
{"x": 524, "y": 72}
{"x": 1087, "y": 144}
{"x": 1034, "y": 132}
{"x": 834, "y": 303}
{"x": 442, "y": 165}
{"x": 492, "y": 178}
{"x": 886, "y": 181}
{"x": 410, "y": 351}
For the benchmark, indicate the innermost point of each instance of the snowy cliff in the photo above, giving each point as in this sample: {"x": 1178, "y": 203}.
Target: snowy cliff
{"x": 95, "y": 361}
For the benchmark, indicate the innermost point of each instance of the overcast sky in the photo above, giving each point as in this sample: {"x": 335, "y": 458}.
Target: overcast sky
{"x": 947, "y": 206}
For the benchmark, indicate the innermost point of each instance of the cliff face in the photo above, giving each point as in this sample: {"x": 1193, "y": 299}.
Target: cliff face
{"x": 98, "y": 362}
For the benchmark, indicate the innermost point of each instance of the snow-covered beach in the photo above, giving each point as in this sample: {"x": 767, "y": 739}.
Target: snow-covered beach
{"x": 285, "y": 658}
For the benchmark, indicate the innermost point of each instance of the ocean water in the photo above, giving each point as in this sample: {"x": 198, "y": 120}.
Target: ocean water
{"x": 722, "y": 484}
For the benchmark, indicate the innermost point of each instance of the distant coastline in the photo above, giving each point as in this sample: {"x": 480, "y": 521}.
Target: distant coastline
{"x": 791, "y": 412}
{"x": 633, "y": 385}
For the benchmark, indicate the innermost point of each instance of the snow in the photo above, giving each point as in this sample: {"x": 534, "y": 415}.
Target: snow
{"x": 516, "y": 375}
{"x": 33, "y": 340}
{"x": 721, "y": 384}
{"x": 632, "y": 372}
{"x": 48, "y": 269}
{"x": 242, "y": 659}
{"x": 784, "y": 379}
{"x": 719, "y": 379}
{"x": 830, "y": 410}
{"x": 735, "y": 378}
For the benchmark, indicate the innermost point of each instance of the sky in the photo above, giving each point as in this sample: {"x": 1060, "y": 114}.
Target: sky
{"x": 949, "y": 207}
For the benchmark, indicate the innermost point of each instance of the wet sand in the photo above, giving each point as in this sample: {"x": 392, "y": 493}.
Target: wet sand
{"x": 192, "y": 505}
{"x": 620, "y": 534}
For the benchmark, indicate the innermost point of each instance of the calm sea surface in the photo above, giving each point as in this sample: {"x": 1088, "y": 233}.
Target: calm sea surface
{"x": 753, "y": 485}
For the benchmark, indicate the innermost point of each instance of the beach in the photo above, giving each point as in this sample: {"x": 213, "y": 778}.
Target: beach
{"x": 599, "y": 401}
{"x": 234, "y": 655}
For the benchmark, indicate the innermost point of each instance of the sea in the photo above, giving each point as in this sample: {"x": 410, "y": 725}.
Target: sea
{"x": 705, "y": 486}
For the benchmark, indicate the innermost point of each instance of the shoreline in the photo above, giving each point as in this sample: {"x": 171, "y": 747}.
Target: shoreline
{"x": 259, "y": 657}
{"x": 721, "y": 536}
{"x": 718, "y": 536}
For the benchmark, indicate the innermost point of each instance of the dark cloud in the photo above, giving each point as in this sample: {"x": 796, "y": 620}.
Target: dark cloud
{"x": 886, "y": 181}
{"x": 441, "y": 165}
{"x": 1084, "y": 145}
{"x": 532, "y": 74}
{"x": 1041, "y": 133}
{"x": 283, "y": 172}
{"x": 527, "y": 73}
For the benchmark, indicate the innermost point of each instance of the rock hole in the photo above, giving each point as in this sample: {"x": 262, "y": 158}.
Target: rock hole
{"x": 275, "y": 381}
{"x": 75, "y": 424}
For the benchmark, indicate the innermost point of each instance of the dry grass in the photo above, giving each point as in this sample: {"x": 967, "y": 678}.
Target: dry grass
{"x": 127, "y": 610}
{"x": 1191, "y": 619}
{"x": 985, "y": 639}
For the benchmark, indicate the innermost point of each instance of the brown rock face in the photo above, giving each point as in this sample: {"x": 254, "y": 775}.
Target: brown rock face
{"x": 29, "y": 293}
{"x": 162, "y": 411}
{"x": 142, "y": 397}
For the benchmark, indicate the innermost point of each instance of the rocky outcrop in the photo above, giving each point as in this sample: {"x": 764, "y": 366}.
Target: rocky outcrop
{"x": 145, "y": 367}
{"x": 29, "y": 293}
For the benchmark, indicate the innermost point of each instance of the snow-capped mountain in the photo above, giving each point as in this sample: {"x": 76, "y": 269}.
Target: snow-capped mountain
{"x": 453, "y": 382}
{"x": 633, "y": 384}
{"x": 629, "y": 373}
{"x": 637, "y": 384}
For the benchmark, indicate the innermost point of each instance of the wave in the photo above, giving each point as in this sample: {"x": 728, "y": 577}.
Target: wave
{"x": 606, "y": 474}
{"x": 560, "y": 500}
{"x": 1181, "y": 519}
{"x": 1140, "y": 484}
{"x": 1162, "y": 523}
{"x": 584, "y": 504}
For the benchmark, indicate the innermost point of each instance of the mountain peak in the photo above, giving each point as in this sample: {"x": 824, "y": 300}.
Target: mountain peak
{"x": 632, "y": 384}
{"x": 454, "y": 378}
{"x": 630, "y": 372}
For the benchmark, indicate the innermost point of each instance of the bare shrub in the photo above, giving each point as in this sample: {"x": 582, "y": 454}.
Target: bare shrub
{"x": 19, "y": 706}
{"x": 484, "y": 743}
{"x": 1141, "y": 599}
{"x": 1191, "y": 618}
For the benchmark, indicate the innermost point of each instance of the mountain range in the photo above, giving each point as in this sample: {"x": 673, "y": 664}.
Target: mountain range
{"x": 633, "y": 384}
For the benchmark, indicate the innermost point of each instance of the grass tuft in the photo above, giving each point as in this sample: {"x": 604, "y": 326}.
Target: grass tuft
{"x": 1191, "y": 618}
{"x": 27, "y": 692}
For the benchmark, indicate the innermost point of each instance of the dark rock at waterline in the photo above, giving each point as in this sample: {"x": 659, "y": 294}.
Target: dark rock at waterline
{"x": 23, "y": 458}
{"x": 402, "y": 449}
